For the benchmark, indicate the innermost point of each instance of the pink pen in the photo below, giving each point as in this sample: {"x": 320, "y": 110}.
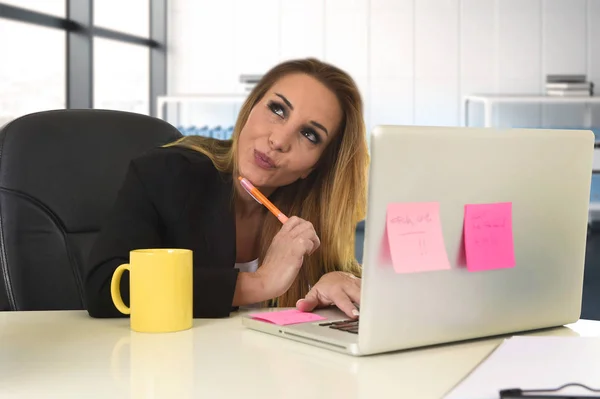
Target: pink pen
{"x": 261, "y": 199}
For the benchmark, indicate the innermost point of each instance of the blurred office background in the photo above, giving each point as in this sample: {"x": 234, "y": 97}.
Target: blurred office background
{"x": 415, "y": 61}
{"x": 422, "y": 62}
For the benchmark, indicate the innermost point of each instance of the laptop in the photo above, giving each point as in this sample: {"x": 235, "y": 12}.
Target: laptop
{"x": 545, "y": 175}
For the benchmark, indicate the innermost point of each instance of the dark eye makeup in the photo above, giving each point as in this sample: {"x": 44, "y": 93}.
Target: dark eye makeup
{"x": 281, "y": 111}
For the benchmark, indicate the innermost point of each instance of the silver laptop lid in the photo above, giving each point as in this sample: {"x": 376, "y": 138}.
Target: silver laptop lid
{"x": 544, "y": 174}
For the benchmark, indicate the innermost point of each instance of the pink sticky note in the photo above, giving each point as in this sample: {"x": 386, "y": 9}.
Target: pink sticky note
{"x": 489, "y": 236}
{"x": 285, "y": 317}
{"x": 415, "y": 236}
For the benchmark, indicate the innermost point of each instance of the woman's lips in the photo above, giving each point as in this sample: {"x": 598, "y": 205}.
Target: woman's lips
{"x": 263, "y": 160}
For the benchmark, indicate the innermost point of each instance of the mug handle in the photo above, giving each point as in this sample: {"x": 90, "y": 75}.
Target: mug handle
{"x": 115, "y": 290}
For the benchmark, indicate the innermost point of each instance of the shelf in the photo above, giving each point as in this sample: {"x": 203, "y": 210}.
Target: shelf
{"x": 489, "y": 100}
{"x": 516, "y": 98}
{"x": 204, "y": 98}
{"x": 161, "y": 101}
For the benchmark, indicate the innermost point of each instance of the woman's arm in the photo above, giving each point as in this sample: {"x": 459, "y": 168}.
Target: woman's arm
{"x": 135, "y": 223}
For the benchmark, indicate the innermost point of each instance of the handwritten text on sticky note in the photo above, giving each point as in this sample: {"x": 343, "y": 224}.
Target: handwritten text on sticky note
{"x": 415, "y": 236}
{"x": 285, "y": 317}
{"x": 489, "y": 236}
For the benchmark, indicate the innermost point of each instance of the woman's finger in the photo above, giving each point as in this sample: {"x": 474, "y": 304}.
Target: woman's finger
{"x": 353, "y": 290}
{"x": 344, "y": 303}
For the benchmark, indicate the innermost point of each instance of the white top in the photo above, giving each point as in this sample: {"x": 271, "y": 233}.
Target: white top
{"x": 247, "y": 266}
{"x": 69, "y": 355}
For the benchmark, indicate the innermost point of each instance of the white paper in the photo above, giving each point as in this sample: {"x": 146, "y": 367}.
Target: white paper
{"x": 534, "y": 363}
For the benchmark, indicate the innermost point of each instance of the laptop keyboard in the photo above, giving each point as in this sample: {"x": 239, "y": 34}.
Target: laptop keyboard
{"x": 350, "y": 326}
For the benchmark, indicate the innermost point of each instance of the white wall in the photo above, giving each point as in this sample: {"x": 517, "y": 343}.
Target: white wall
{"x": 413, "y": 60}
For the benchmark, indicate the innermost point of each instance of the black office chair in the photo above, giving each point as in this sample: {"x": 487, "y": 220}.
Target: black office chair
{"x": 60, "y": 172}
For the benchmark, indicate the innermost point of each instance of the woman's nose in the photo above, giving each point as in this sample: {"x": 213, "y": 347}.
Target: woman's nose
{"x": 280, "y": 139}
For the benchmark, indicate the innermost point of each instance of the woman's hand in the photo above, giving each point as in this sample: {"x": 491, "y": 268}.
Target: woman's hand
{"x": 284, "y": 257}
{"x": 335, "y": 288}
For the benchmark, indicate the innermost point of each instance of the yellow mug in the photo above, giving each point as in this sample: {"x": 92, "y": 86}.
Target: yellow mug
{"x": 160, "y": 288}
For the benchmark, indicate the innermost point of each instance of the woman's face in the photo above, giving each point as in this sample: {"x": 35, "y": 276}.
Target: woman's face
{"x": 287, "y": 131}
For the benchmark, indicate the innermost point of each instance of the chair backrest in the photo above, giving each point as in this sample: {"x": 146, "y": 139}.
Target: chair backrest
{"x": 60, "y": 172}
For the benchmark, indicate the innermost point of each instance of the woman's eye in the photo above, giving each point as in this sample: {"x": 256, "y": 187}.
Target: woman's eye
{"x": 277, "y": 109}
{"x": 311, "y": 135}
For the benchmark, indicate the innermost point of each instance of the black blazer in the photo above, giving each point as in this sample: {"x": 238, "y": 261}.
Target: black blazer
{"x": 171, "y": 198}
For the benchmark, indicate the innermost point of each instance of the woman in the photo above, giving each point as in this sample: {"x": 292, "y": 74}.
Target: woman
{"x": 300, "y": 139}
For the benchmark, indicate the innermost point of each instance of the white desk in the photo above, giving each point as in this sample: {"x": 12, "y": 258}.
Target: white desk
{"x": 69, "y": 355}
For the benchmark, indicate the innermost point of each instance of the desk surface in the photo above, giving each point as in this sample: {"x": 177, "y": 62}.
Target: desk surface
{"x": 70, "y": 355}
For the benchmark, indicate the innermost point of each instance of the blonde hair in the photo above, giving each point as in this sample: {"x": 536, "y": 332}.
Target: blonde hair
{"x": 332, "y": 197}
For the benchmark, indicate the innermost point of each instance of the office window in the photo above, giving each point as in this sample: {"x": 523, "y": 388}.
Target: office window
{"x": 130, "y": 16}
{"x": 57, "y": 8}
{"x": 121, "y": 76}
{"x": 32, "y": 70}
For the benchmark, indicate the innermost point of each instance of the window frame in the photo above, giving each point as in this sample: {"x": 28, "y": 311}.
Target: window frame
{"x": 80, "y": 33}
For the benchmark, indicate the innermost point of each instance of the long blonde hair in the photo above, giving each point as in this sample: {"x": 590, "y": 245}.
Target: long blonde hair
{"x": 332, "y": 197}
